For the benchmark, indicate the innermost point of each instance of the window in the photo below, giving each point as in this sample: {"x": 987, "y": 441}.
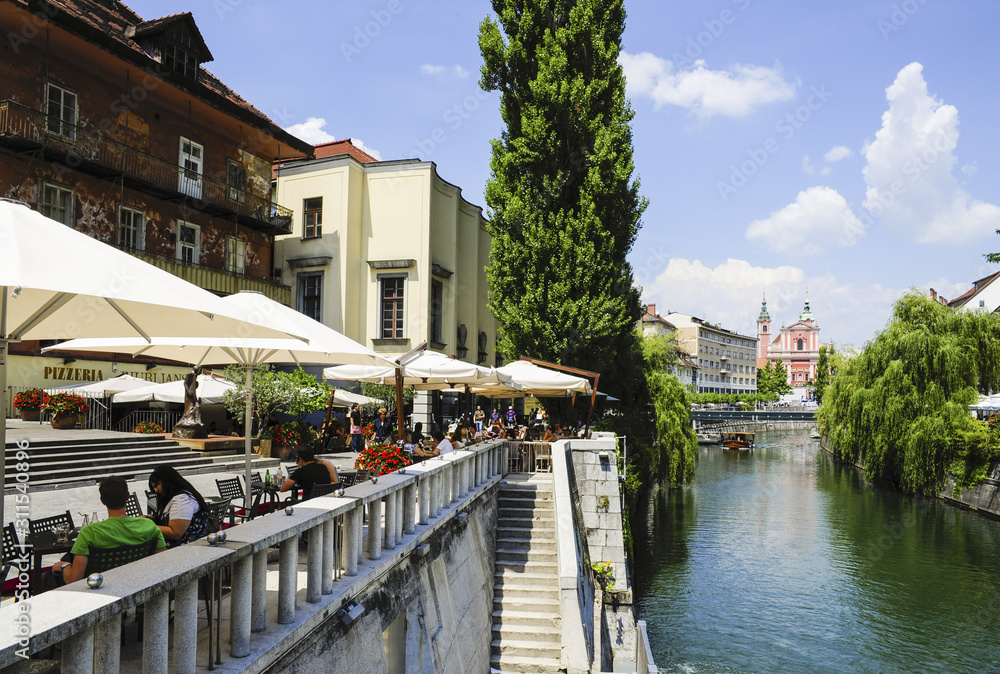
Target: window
{"x": 437, "y": 311}
{"x": 236, "y": 255}
{"x": 800, "y": 344}
{"x": 60, "y": 105}
{"x": 312, "y": 222}
{"x": 130, "y": 228}
{"x": 190, "y": 161}
{"x": 188, "y": 242}
{"x": 179, "y": 55}
{"x": 311, "y": 295}
{"x": 391, "y": 307}
{"x": 57, "y": 203}
{"x": 236, "y": 178}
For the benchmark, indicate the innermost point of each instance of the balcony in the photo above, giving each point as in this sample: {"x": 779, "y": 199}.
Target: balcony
{"x": 25, "y": 130}
{"x": 723, "y": 358}
{"x": 215, "y": 280}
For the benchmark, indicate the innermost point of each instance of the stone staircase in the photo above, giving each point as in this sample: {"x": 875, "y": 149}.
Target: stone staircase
{"x": 527, "y": 634}
{"x": 87, "y": 460}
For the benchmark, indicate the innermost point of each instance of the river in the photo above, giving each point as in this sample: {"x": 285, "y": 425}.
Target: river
{"x": 780, "y": 560}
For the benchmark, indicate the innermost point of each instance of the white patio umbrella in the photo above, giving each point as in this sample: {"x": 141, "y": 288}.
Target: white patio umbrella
{"x": 342, "y": 398}
{"x": 58, "y": 283}
{"x": 426, "y": 368}
{"x": 543, "y": 382}
{"x": 211, "y": 388}
{"x": 325, "y": 345}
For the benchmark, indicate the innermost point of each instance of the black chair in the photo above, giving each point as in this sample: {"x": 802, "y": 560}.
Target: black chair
{"x": 151, "y": 498}
{"x": 231, "y": 489}
{"x": 217, "y": 511}
{"x": 132, "y": 507}
{"x": 11, "y": 553}
{"x": 362, "y": 476}
{"x": 46, "y": 523}
{"x": 323, "y": 489}
{"x": 347, "y": 479}
{"x": 100, "y": 560}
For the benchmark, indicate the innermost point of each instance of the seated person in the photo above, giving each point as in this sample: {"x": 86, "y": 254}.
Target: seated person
{"x": 332, "y": 435}
{"x": 416, "y": 439}
{"x": 442, "y": 447}
{"x": 116, "y": 531}
{"x": 309, "y": 472}
{"x": 548, "y": 436}
{"x": 181, "y": 512}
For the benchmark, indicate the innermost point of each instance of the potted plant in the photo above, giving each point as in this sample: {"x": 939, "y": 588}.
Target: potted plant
{"x": 381, "y": 459}
{"x": 65, "y": 409}
{"x": 148, "y": 428}
{"x": 29, "y": 404}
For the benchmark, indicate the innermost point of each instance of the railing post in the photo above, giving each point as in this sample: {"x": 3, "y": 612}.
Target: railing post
{"x": 314, "y": 565}
{"x": 463, "y": 475}
{"x": 288, "y": 564}
{"x": 155, "y": 631}
{"x": 400, "y": 495}
{"x": 241, "y": 607}
{"x": 435, "y": 494}
{"x": 390, "y": 520}
{"x": 359, "y": 513}
{"x": 328, "y": 541}
{"x": 78, "y": 653}
{"x": 409, "y": 506}
{"x": 350, "y": 552}
{"x": 375, "y": 529}
{"x": 258, "y": 598}
{"x": 424, "y": 499}
{"x": 185, "y": 629}
{"x": 108, "y": 644}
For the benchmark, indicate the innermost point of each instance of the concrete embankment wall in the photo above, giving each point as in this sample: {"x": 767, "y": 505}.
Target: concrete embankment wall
{"x": 760, "y": 426}
{"x": 434, "y": 605}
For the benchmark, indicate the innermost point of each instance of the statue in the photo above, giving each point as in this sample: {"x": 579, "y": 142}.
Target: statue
{"x": 190, "y": 426}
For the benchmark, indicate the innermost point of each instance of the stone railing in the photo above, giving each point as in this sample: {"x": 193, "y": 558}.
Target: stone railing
{"x": 644, "y": 662}
{"x": 344, "y": 554}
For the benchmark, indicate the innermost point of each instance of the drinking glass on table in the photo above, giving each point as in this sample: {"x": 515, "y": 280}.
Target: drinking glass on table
{"x": 61, "y": 531}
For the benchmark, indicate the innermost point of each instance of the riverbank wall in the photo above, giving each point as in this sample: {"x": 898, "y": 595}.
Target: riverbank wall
{"x": 760, "y": 426}
{"x": 984, "y": 498}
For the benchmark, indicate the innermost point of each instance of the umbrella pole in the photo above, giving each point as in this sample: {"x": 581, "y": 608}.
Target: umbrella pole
{"x": 400, "y": 431}
{"x": 3, "y": 396}
{"x": 247, "y": 426}
{"x": 590, "y": 413}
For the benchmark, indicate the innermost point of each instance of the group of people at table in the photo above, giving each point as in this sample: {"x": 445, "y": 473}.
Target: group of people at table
{"x": 180, "y": 515}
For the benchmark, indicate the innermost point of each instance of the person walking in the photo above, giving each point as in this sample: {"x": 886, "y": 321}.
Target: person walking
{"x": 357, "y": 440}
{"x": 478, "y": 417}
{"x": 383, "y": 427}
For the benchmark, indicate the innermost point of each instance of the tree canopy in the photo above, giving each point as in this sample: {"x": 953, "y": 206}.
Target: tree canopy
{"x": 900, "y": 408}
{"x": 675, "y": 445}
{"x": 564, "y": 208}
{"x": 772, "y": 379}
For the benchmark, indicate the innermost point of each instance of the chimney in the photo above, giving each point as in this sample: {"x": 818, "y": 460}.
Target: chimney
{"x": 933, "y": 294}
{"x": 651, "y": 309}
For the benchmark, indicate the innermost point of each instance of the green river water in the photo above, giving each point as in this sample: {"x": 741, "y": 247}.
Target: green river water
{"x": 780, "y": 560}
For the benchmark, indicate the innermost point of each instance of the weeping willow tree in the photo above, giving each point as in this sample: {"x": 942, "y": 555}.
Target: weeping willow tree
{"x": 675, "y": 445}
{"x": 900, "y": 408}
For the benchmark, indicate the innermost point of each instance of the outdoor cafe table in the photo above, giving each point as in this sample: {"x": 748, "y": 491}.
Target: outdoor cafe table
{"x": 46, "y": 543}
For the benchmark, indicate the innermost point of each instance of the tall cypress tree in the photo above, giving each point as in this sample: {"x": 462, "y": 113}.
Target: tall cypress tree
{"x": 565, "y": 208}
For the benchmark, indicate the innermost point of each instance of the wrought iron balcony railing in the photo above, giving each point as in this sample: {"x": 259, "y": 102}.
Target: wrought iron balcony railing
{"x": 81, "y": 150}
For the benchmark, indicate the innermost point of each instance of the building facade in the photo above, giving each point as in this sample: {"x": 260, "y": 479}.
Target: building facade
{"x": 685, "y": 368}
{"x": 726, "y": 359}
{"x": 110, "y": 125}
{"x": 796, "y": 345}
{"x": 388, "y": 253}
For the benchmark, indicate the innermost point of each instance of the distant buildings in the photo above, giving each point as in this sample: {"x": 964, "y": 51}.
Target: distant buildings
{"x": 984, "y": 295}
{"x": 686, "y": 368}
{"x": 725, "y": 360}
{"x": 796, "y": 345}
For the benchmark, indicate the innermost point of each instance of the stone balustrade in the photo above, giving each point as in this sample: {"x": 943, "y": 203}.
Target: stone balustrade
{"x": 344, "y": 551}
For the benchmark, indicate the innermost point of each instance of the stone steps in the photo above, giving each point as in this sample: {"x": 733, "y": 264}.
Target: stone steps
{"x": 527, "y": 632}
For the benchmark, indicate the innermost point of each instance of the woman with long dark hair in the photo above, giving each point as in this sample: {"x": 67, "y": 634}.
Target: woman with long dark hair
{"x": 181, "y": 512}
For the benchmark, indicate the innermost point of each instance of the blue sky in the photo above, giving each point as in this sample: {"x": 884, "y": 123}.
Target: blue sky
{"x": 844, "y": 149}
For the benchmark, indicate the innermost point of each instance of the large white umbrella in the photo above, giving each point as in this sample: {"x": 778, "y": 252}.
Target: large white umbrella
{"x": 210, "y": 391}
{"x": 425, "y": 368}
{"x": 57, "y": 283}
{"x": 325, "y": 345}
{"x": 542, "y": 381}
{"x": 342, "y": 398}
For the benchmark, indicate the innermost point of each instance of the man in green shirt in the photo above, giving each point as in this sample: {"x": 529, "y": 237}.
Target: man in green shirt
{"x": 116, "y": 531}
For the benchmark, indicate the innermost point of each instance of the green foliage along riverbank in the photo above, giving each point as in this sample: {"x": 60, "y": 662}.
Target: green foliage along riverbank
{"x": 900, "y": 408}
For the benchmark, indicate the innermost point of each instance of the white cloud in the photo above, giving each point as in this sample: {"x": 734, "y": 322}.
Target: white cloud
{"x": 970, "y": 169}
{"x": 706, "y": 93}
{"x": 311, "y": 131}
{"x": 819, "y": 217}
{"x": 807, "y": 165}
{"x": 909, "y": 174}
{"x": 837, "y": 153}
{"x": 730, "y": 294}
{"x": 457, "y": 71}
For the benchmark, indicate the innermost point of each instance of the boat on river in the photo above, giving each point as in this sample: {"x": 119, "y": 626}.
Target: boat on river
{"x": 741, "y": 440}
{"x": 709, "y": 437}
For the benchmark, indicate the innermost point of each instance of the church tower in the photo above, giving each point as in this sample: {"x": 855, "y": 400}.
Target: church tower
{"x": 764, "y": 336}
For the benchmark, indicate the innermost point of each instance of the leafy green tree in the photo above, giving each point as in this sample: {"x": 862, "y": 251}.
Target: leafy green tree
{"x": 675, "y": 445}
{"x": 295, "y": 393}
{"x": 822, "y": 372}
{"x": 773, "y": 379}
{"x": 386, "y": 395}
{"x": 900, "y": 407}
{"x": 307, "y": 395}
{"x": 565, "y": 209}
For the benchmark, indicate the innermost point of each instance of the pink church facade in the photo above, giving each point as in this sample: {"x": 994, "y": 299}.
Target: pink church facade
{"x": 796, "y": 345}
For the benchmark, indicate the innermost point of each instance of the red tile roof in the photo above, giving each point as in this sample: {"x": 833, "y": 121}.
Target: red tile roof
{"x": 345, "y": 146}
{"x": 978, "y": 285}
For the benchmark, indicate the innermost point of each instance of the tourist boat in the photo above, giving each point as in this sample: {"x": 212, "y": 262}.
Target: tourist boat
{"x": 737, "y": 440}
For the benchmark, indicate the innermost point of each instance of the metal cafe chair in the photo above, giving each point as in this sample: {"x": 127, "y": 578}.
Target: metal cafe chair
{"x": 46, "y": 523}
{"x": 11, "y": 552}
{"x": 231, "y": 489}
{"x": 104, "y": 559}
{"x": 132, "y": 507}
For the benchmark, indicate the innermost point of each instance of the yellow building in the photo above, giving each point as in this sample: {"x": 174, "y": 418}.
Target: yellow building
{"x": 386, "y": 252}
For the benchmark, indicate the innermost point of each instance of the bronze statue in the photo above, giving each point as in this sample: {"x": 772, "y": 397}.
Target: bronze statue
{"x": 190, "y": 426}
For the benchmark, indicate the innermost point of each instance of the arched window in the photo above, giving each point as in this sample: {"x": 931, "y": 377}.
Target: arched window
{"x": 800, "y": 345}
